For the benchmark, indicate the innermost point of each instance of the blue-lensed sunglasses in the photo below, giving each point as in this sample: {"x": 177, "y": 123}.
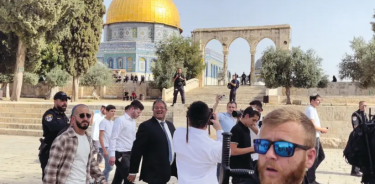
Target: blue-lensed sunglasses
{"x": 281, "y": 148}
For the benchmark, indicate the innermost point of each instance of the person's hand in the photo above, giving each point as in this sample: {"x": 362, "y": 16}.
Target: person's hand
{"x": 112, "y": 161}
{"x": 215, "y": 122}
{"x": 105, "y": 153}
{"x": 324, "y": 130}
{"x": 131, "y": 177}
{"x": 218, "y": 98}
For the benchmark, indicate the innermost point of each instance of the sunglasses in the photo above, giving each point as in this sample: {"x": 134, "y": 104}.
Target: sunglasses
{"x": 281, "y": 148}
{"x": 84, "y": 114}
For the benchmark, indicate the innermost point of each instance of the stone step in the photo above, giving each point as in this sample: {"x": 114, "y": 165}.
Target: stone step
{"x": 21, "y": 126}
{"x": 23, "y": 132}
{"x": 40, "y": 115}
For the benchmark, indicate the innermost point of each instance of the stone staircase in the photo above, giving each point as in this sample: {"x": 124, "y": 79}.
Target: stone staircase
{"x": 245, "y": 94}
{"x": 26, "y": 119}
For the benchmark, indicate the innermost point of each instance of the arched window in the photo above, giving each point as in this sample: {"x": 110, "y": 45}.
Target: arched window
{"x": 110, "y": 62}
{"x": 130, "y": 64}
{"x": 142, "y": 64}
{"x": 119, "y": 63}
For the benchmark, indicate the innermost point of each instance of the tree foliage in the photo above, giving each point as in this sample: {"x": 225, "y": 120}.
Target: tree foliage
{"x": 82, "y": 44}
{"x": 98, "y": 75}
{"x": 57, "y": 77}
{"x": 176, "y": 52}
{"x": 323, "y": 83}
{"x": 29, "y": 21}
{"x": 359, "y": 65}
{"x": 51, "y": 58}
{"x": 295, "y": 68}
{"x": 30, "y": 78}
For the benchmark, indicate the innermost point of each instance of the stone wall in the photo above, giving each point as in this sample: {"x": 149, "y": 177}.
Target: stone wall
{"x": 190, "y": 85}
{"x": 115, "y": 90}
{"x": 334, "y": 89}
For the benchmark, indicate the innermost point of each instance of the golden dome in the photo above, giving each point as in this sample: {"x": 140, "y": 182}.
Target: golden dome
{"x": 151, "y": 11}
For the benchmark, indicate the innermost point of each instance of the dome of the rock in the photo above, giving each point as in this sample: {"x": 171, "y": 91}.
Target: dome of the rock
{"x": 147, "y": 11}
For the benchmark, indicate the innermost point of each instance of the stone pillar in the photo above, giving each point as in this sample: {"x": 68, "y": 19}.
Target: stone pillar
{"x": 225, "y": 67}
{"x": 252, "y": 69}
{"x": 202, "y": 76}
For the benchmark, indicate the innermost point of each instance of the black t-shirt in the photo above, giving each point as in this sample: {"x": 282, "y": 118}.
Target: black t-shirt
{"x": 178, "y": 81}
{"x": 241, "y": 136}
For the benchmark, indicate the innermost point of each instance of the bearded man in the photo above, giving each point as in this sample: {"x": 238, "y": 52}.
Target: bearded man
{"x": 285, "y": 147}
{"x": 72, "y": 153}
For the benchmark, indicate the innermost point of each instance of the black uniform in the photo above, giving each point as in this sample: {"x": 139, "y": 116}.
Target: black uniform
{"x": 179, "y": 87}
{"x": 233, "y": 89}
{"x": 53, "y": 122}
{"x": 358, "y": 117}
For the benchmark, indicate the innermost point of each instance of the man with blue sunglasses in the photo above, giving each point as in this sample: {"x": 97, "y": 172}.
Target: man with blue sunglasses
{"x": 285, "y": 148}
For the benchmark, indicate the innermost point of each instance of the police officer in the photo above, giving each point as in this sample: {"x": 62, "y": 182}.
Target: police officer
{"x": 54, "y": 120}
{"x": 179, "y": 83}
{"x": 359, "y": 117}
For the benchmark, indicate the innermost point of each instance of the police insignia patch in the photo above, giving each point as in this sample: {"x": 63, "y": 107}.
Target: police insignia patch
{"x": 354, "y": 118}
{"x": 49, "y": 117}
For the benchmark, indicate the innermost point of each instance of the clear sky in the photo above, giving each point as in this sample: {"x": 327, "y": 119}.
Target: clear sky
{"x": 326, "y": 26}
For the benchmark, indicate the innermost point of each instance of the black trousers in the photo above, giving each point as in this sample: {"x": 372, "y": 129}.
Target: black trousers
{"x": 122, "y": 168}
{"x": 175, "y": 93}
{"x": 243, "y": 81}
{"x": 320, "y": 156}
{"x": 43, "y": 159}
{"x": 232, "y": 96}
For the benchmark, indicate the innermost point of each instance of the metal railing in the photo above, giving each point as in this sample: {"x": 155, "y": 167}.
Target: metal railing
{"x": 225, "y": 171}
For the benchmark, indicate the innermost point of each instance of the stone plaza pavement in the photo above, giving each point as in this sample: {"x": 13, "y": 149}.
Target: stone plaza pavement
{"x": 20, "y": 165}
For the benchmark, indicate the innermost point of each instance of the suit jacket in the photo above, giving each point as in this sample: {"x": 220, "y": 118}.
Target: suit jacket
{"x": 151, "y": 143}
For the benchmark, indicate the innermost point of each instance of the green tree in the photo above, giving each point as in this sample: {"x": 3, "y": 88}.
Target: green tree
{"x": 295, "y": 68}
{"x": 323, "y": 83}
{"x": 349, "y": 68}
{"x": 82, "y": 44}
{"x": 364, "y": 53}
{"x": 98, "y": 76}
{"x": 56, "y": 78}
{"x": 51, "y": 58}
{"x": 19, "y": 18}
{"x": 176, "y": 52}
{"x": 30, "y": 78}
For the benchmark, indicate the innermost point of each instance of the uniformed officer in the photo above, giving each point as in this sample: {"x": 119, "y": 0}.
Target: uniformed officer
{"x": 179, "y": 81}
{"x": 54, "y": 120}
{"x": 359, "y": 117}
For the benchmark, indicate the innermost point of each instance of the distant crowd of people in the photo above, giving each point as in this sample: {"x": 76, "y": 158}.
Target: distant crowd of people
{"x": 132, "y": 78}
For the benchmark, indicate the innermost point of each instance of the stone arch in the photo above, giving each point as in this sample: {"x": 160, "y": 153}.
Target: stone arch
{"x": 279, "y": 34}
{"x": 142, "y": 64}
{"x": 110, "y": 62}
{"x": 120, "y": 63}
{"x": 209, "y": 40}
{"x": 236, "y": 38}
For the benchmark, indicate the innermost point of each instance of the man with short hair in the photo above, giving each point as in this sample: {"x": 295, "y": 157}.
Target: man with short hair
{"x": 98, "y": 116}
{"x": 71, "y": 156}
{"x": 241, "y": 146}
{"x": 121, "y": 142}
{"x": 226, "y": 120}
{"x": 257, "y": 106}
{"x": 358, "y": 117}
{"x": 285, "y": 148}
{"x": 179, "y": 82}
{"x": 233, "y": 85}
{"x": 312, "y": 113}
{"x": 153, "y": 144}
{"x": 197, "y": 154}
{"x": 54, "y": 121}
{"x": 105, "y": 135}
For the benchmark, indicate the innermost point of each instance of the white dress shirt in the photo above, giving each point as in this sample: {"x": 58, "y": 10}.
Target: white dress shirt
{"x": 123, "y": 135}
{"x": 169, "y": 137}
{"x": 98, "y": 117}
{"x": 197, "y": 160}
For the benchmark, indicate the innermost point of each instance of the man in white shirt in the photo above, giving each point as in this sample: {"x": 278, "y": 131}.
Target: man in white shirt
{"x": 97, "y": 117}
{"x": 121, "y": 142}
{"x": 257, "y": 106}
{"x": 105, "y": 134}
{"x": 197, "y": 154}
{"x": 312, "y": 114}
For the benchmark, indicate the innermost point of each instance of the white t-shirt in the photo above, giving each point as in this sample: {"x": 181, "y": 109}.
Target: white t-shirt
{"x": 253, "y": 136}
{"x": 77, "y": 173}
{"x": 98, "y": 117}
{"x": 107, "y": 126}
{"x": 313, "y": 114}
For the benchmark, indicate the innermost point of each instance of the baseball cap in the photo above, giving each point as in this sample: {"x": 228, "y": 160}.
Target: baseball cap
{"x": 61, "y": 96}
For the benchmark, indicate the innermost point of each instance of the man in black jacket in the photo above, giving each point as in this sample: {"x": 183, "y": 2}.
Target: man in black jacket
{"x": 154, "y": 143}
{"x": 285, "y": 147}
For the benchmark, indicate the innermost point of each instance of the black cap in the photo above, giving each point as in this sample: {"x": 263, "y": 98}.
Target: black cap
{"x": 61, "y": 96}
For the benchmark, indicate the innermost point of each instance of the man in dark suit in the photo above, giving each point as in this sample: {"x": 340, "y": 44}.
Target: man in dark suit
{"x": 154, "y": 143}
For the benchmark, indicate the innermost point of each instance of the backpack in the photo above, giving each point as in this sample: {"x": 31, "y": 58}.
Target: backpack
{"x": 356, "y": 152}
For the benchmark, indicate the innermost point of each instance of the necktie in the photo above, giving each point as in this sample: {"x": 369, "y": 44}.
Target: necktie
{"x": 169, "y": 143}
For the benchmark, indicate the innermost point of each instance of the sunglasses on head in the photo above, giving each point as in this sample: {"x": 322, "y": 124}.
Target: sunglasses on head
{"x": 82, "y": 115}
{"x": 281, "y": 148}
